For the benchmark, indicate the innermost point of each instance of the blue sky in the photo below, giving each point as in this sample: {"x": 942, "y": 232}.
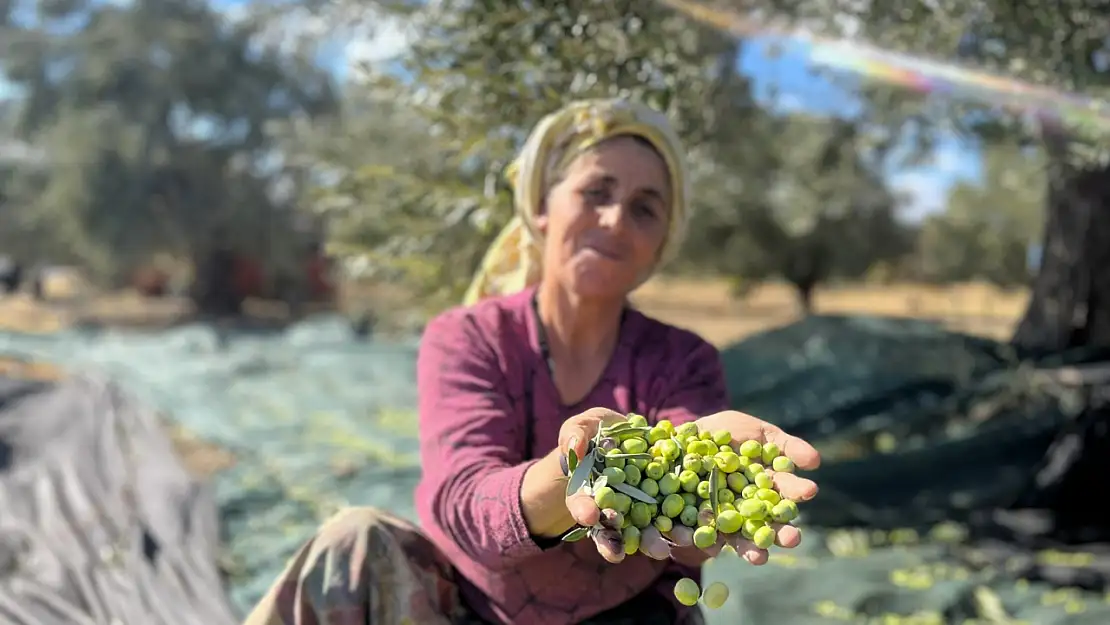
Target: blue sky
{"x": 782, "y": 80}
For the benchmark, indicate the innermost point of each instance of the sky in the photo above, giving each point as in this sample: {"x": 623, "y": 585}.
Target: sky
{"x": 776, "y": 68}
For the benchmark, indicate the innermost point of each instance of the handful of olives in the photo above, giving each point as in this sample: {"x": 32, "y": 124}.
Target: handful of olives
{"x": 642, "y": 475}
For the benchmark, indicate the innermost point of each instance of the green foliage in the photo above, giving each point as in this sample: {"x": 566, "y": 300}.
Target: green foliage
{"x": 986, "y": 229}
{"x": 478, "y": 76}
{"x": 153, "y": 119}
{"x": 823, "y": 211}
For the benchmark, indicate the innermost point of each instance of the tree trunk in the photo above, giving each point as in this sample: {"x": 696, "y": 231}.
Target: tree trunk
{"x": 1070, "y": 308}
{"x": 804, "y": 290}
{"x": 1070, "y": 302}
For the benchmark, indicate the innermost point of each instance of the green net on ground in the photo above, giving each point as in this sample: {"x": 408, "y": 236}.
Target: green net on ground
{"x": 918, "y": 426}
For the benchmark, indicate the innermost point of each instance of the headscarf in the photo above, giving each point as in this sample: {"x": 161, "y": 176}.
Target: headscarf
{"x": 514, "y": 260}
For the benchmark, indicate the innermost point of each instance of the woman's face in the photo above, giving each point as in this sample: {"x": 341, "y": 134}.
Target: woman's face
{"x": 605, "y": 221}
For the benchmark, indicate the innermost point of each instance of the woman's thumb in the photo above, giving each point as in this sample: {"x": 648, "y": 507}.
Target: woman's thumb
{"x": 577, "y": 438}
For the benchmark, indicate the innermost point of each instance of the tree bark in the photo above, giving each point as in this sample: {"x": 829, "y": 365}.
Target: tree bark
{"x": 1070, "y": 301}
{"x": 805, "y": 296}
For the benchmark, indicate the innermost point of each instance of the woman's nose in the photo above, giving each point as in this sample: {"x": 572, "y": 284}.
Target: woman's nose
{"x": 612, "y": 216}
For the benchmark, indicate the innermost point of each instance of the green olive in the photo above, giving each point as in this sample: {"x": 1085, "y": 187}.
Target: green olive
{"x": 634, "y": 446}
{"x": 668, "y": 484}
{"x": 672, "y": 505}
{"x": 689, "y": 516}
{"x": 605, "y": 497}
{"x": 657, "y": 434}
{"x": 692, "y": 462}
{"x": 614, "y": 475}
{"x": 663, "y": 524}
{"x": 770, "y": 452}
{"x": 737, "y": 482}
{"x": 784, "y": 511}
{"x": 764, "y": 537}
{"x": 768, "y": 495}
{"x": 751, "y": 449}
{"x": 687, "y": 591}
{"x": 782, "y": 464}
{"x": 689, "y": 481}
{"x": 715, "y": 595}
{"x": 632, "y": 475}
{"x": 703, "y": 490}
{"x": 623, "y": 503}
{"x": 729, "y": 521}
{"x": 764, "y": 480}
{"x": 752, "y": 509}
{"x": 705, "y": 537}
{"x": 727, "y": 461}
{"x": 640, "y": 514}
{"x": 722, "y": 437}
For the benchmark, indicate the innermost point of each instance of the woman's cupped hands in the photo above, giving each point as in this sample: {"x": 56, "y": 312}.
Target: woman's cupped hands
{"x": 578, "y": 433}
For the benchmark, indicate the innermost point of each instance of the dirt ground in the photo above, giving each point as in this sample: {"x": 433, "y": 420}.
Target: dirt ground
{"x": 708, "y": 307}
{"x": 705, "y": 306}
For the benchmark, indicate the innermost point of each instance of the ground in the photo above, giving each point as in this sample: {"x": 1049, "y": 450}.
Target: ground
{"x": 705, "y": 306}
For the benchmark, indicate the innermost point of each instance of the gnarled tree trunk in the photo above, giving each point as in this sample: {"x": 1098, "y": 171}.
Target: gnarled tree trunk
{"x": 1070, "y": 303}
{"x": 1070, "y": 308}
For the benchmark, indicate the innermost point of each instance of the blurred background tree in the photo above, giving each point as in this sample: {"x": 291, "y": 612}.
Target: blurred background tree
{"x": 148, "y": 130}
{"x": 1059, "y": 45}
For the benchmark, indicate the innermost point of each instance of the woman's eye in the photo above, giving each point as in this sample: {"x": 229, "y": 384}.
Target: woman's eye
{"x": 595, "y": 194}
{"x": 645, "y": 210}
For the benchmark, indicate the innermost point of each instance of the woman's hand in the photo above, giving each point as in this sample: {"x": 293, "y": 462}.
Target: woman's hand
{"x": 576, "y": 434}
{"x": 745, "y": 427}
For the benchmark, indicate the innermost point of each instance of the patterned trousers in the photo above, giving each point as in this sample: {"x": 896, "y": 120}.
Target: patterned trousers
{"x": 365, "y": 566}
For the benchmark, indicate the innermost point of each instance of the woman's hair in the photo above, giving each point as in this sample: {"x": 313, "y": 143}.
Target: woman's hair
{"x": 514, "y": 260}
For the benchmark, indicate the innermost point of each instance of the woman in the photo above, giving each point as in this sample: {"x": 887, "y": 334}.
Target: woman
{"x": 546, "y": 351}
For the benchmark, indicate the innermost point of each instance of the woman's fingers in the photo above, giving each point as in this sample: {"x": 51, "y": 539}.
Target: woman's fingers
{"x": 794, "y": 487}
{"x": 609, "y": 545}
{"x": 786, "y": 535}
{"x": 746, "y": 549}
{"x": 583, "y": 509}
{"x": 653, "y": 545}
{"x": 578, "y": 431}
{"x": 804, "y": 455}
{"x": 681, "y": 536}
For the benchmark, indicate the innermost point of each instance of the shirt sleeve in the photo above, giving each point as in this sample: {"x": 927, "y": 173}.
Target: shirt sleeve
{"x": 470, "y": 445}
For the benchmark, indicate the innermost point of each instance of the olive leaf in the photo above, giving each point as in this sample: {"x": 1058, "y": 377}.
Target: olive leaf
{"x": 630, "y": 431}
{"x": 617, "y": 427}
{"x": 714, "y": 485}
{"x": 581, "y": 474}
{"x": 572, "y": 460}
{"x": 634, "y": 493}
{"x": 576, "y": 534}
{"x": 630, "y": 456}
{"x": 600, "y": 482}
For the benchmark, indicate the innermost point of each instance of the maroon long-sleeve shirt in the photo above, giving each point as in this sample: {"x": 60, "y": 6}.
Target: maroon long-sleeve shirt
{"x": 489, "y": 408}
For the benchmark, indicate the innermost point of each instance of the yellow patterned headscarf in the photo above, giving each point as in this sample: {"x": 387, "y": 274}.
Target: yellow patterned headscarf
{"x": 514, "y": 261}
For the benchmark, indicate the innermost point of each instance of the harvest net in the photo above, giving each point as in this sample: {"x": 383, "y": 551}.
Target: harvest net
{"x": 922, "y": 430}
